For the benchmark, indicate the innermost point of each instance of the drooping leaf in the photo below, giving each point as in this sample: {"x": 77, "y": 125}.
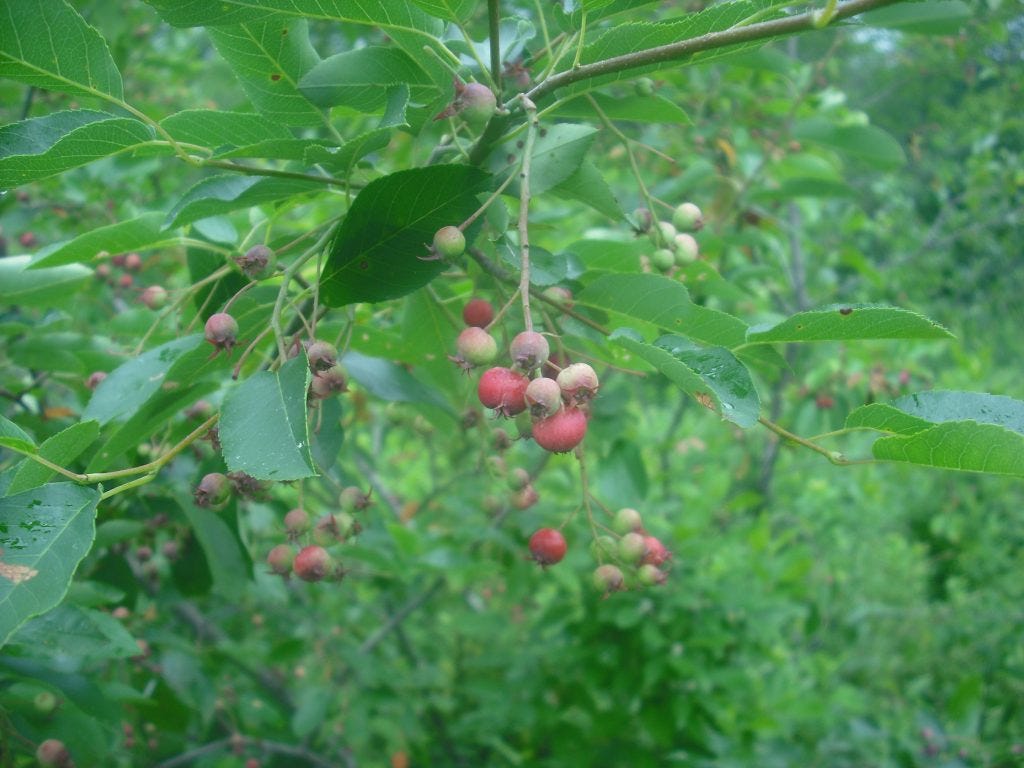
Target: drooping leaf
{"x": 225, "y": 560}
{"x": 131, "y": 384}
{"x": 962, "y": 445}
{"x": 44, "y": 534}
{"x": 13, "y": 436}
{"x": 713, "y": 376}
{"x": 263, "y": 427}
{"x": 863, "y": 142}
{"x": 62, "y": 449}
{"x": 850, "y": 321}
{"x": 46, "y": 146}
{"x": 588, "y": 186}
{"x": 48, "y": 45}
{"x": 665, "y": 303}
{"x": 885, "y": 418}
{"x": 49, "y": 287}
{"x": 912, "y": 413}
{"x": 378, "y": 251}
{"x": 141, "y": 232}
{"x": 360, "y": 79}
{"x": 229, "y": 192}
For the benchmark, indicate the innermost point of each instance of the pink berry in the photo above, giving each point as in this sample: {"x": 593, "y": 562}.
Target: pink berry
{"x": 503, "y": 390}
{"x": 322, "y": 355}
{"x": 312, "y": 563}
{"x": 222, "y": 331}
{"x": 296, "y": 522}
{"x": 608, "y": 578}
{"x": 656, "y": 553}
{"x": 213, "y": 490}
{"x": 685, "y": 247}
{"x": 280, "y": 559}
{"x": 449, "y": 242}
{"x": 133, "y": 262}
{"x": 95, "y": 379}
{"x": 476, "y": 346}
{"x": 562, "y": 432}
{"x": 528, "y": 350}
{"x": 258, "y": 262}
{"x": 154, "y": 297}
{"x": 478, "y": 312}
{"x": 579, "y": 383}
{"x": 53, "y": 754}
{"x": 525, "y": 497}
{"x": 547, "y": 546}
{"x": 544, "y": 397}
{"x": 328, "y": 383}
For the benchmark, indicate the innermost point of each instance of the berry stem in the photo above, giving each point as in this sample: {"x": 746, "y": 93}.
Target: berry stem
{"x": 524, "y": 210}
{"x": 486, "y": 204}
{"x": 289, "y": 274}
{"x": 493, "y": 28}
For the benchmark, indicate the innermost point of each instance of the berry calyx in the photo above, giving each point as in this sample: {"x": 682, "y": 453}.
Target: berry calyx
{"x": 688, "y": 216}
{"x": 579, "y": 383}
{"x": 627, "y": 520}
{"x": 686, "y": 248}
{"x": 328, "y": 383}
{"x": 547, "y": 546}
{"x": 608, "y": 578}
{"x": 529, "y": 350}
{"x": 544, "y": 397}
{"x": 562, "y": 432}
{"x": 330, "y": 529}
{"x": 476, "y": 346}
{"x": 312, "y": 563}
{"x": 280, "y": 559}
{"x": 449, "y": 242}
{"x": 213, "y": 490}
{"x": 478, "y": 312}
{"x": 503, "y": 390}
{"x": 656, "y": 553}
{"x": 258, "y": 262}
{"x": 53, "y": 754}
{"x": 154, "y": 297}
{"x": 222, "y": 331}
{"x": 321, "y": 355}
{"x": 296, "y": 522}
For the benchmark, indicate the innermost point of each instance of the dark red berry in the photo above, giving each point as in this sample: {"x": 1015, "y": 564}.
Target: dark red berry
{"x": 222, "y": 331}
{"x": 312, "y": 563}
{"x": 562, "y": 432}
{"x": 504, "y": 390}
{"x": 656, "y": 554}
{"x": 547, "y": 546}
{"x": 478, "y": 312}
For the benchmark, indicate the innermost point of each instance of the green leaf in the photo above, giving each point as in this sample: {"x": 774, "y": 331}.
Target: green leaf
{"x": 211, "y": 128}
{"x": 588, "y": 186}
{"x": 842, "y": 322}
{"x": 863, "y": 142}
{"x": 610, "y": 255}
{"x": 637, "y": 109}
{"x": 263, "y": 425}
{"x": 46, "y": 44}
{"x": 269, "y": 58}
{"x": 69, "y": 631}
{"x": 44, "y": 534}
{"x": 933, "y": 17}
{"x": 229, "y": 192}
{"x": 913, "y": 413}
{"x": 546, "y": 268}
{"x": 12, "y": 436}
{"x": 715, "y": 378}
{"x": 378, "y": 251}
{"x": 50, "y": 287}
{"x": 665, "y": 303}
{"x": 962, "y": 445}
{"x": 390, "y": 382}
{"x": 46, "y": 146}
{"x": 339, "y": 160}
{"x": 885, "y": 418}
{"x": 459, "y": 11}
{"x": 557, "y": 155}
{"x": 223, "y": 551}
{"x": 131, "y": 384}
{"x": 62, "y": 449}
{"x": 359, "y": 79}
{"x": 131, "y": 235}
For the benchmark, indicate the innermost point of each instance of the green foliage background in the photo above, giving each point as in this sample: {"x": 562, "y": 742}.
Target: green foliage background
{"x": 815, "y": 615}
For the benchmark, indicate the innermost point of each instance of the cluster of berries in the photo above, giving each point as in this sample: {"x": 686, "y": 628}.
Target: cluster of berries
{"x": 314, "y": 561}
{"x": 675, "y": 246}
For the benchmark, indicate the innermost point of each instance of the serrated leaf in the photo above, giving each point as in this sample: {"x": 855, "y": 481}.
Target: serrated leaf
{"x": 212, "y": 128}
{"x": 962, "y": 445}
{"x": 713, "y": 376}
{"x": 131, "y": 384}
{"x": 842, "y": 322}
{"x": 38, "y": 287}
{"x": 275, "y": 149}
{"x": 61, "y": 449}
{"x": 885, "y": 418}
{"x": 665, "y": 303}
{"x": 390, "y": 382}
{"x": 637, "y": 109}
{"x": 610, "y": 255}
{"x": 70, "y": 631}
{"x": 546, "y": 268}
{"x": 943, "y": 405}
{"x": 13, "y": 436}
{"x": 360, "y": 79}
{"x": 263, "y": 427}
{"x": 46, "y": 146}
{"x": 458, "y": 11}
{"x": 229, "y": 192}
{"x": 339, "y": 160}
{"x": 588, "y": 186}
{"x": 131, "y": 235}
{"x": 44, "y": 534}
{"x": 864, "y": 142}
{"x": 46, "y": 44}
{"x": 556, "y": 156}
{"x": 378, "y": 249}
{"x": 269, "y": 58}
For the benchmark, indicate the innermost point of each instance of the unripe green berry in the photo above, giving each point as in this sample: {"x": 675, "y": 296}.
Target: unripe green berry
{"x": 626, "y": 521}
{"x": 632, "y": 547}
{"x": 644, "y": 87}
{"x": 686, "y": 248}
{"x": 476, "y": 346}
{"x": 608, "y": 578}
{"x": 663, "y": 259}
{"x": 154, "y": 297}
{"x": 476, "y": 103}
{"x": 650, "y": 575}
{"x": 663, "y": 234}
{"x": 604, "y": 547}
{"x": 688, "y": 217}
{"x": 449, "y": 242}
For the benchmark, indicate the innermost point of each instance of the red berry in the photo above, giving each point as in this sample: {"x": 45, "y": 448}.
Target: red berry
{"x": 562, "y": 432}
{"x": 579, "y": 383}
{"x": 478, "y": 312}
{"x": 312, "y": 563}
{"x": 547, "y": 546}
{"x": 280, "y": 558}
{"x": 544, "y": 397}
{"x": 528, "y": 350}
{"x": 154, "y": 297}
{"x": 125, "y": 281}
{"x": 53, "y": 754}
{"x": 656, "y": 553}
{"x": 503, "y": 390}
{"x": 476, "y": 346}
{"x": 222, "y": 331}
{"x": 258, "y": 262}
{"x": 213, "y": 491}
{"x": 449, "y": 242}
{"x": 322, "y": 355}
